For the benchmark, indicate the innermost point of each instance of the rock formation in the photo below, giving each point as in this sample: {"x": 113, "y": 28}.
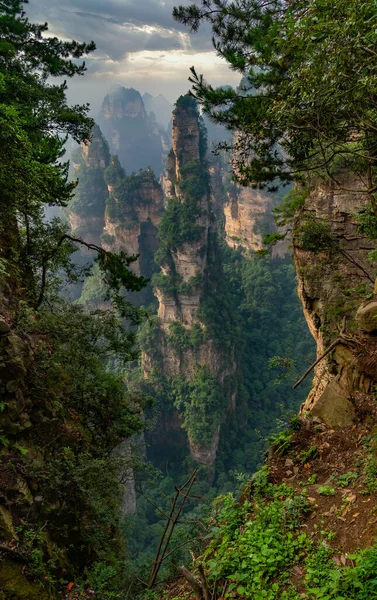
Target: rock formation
{"x": 112, "y": 209}
{"x": 133, "y": 213}
{"x": 132, "y": 134}
{"x": 333, "y": 280}
{"x": 247, "y": 213}
{"x": 186, "y": 256}
{"x": 160, "y": 106}
{"x": 87, "y": 209}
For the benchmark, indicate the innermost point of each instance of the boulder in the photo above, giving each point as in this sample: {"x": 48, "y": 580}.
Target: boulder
{"x": 333, "y": 407}
{"x": 4, "y": 327}
{"x": 366, "y": 316}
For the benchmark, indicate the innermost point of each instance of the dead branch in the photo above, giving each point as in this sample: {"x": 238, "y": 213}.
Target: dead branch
{"x": 178, "y": 547}
{"x": 196, "y": 587}
{"x": 204, "y": 583}
{"x": 171, "y": 522}
{"x": 331, "y": 347}
{"x": 16, "y": 552}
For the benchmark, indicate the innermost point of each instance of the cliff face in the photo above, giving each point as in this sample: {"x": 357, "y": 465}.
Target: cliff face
{"x": 113, "y": 210}
{"x": 133, "y": 213}
{"x": 86, "y": 210}
{"x": 186, "y": 255}
{"x": 132, "y": 134}
{"x": 247, "y": 213}
{"x": 332, "y": 284}
{"x": 185, "y": 259}
{"x": 41, "y": 434}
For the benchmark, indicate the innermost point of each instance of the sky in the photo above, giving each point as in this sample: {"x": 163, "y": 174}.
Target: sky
{"x": 138, "y": 45}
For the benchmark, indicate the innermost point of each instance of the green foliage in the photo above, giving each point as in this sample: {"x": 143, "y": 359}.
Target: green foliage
{"x": 91, "y": 193}
{"x": 312, "y": 480}
{"x": 287, "y": 210}
{"x": 177, "y": 227}
{"x": 114, "y": 172}
{"x": 281, "y": 442}
{"x": 251, "y": 314}
{"x": 148, "y": 335}
{"x": 181, "y": 337}
{"x": 284, "y": 215}
{"x": 326, "y": 490}
{"x": 201, "y": 402}
{"x": 309, "y": 80}
{"x": 254, "y": 546}
{"x": 367, "y": 224}
{"x": 173, "y": 283}
{"x": 307, "y": 455}
{"x": 118, "y": 278}
{"x": 34, "y": 120}
{"x": 370, "y": 466}
{"x": 357, "y": 582}
{"x": 345, "y": 479}
{"x": 269, "y": 240}
{"x": 33, "y": 545}
{"x": 84, "y": 407}
{"x": 187, "y": 103}
{"x": 79, "y": 409}
{"x": 93, "y": 291}
{"x": 315, "y": 235}
{"x": 72, "y": 365}
{"x": 178, "y": 224}
{"x": 128, "y": 193}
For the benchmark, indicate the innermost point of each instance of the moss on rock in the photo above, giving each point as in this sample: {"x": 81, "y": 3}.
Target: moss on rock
{"x": 14, "y": 584}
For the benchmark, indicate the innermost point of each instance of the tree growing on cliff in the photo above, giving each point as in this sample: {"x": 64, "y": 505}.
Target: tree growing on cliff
{"x": 65, "y": 385}
{"x": 35, "y": 122}
{"x": 311, "y": 104}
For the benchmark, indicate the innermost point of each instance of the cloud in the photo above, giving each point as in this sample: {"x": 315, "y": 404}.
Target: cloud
{"x": 118, "y": 26}
{"x": 138, "y": 44}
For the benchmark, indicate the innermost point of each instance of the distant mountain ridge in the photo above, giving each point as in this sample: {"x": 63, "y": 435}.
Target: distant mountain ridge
{"x": 161, "y": 107}
{"x": 132, "y": 134}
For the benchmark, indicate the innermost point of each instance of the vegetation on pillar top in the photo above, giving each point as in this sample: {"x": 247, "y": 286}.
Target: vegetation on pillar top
{"x": 114, "y": 172}
{"x": 128, "y": 192}
{"x": 187, "y": 103}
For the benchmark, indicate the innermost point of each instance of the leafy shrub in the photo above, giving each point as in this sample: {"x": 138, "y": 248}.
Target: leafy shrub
{"x": 287, "y": 209}
{"x": 255, "y": 546}
{"x": 326, "y": 490}
{"x": 315, "y": 235}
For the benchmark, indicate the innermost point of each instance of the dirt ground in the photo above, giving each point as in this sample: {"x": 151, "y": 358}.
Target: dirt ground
{"x": 319, "y": 456}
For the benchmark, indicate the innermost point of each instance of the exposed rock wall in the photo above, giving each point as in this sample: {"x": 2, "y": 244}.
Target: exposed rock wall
{"x": 247, "y": 212}
{"x": 86, "y": 211}
{"x": 188, "y": 259}
{"x": 118, "y": 212}
{"x": 132, "y": 218}
{"x": 185, "y": 273}
{"x": 331, "y": 286}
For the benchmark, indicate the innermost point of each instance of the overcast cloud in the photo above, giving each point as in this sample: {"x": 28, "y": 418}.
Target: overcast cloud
{"x": 138, "y": 45}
